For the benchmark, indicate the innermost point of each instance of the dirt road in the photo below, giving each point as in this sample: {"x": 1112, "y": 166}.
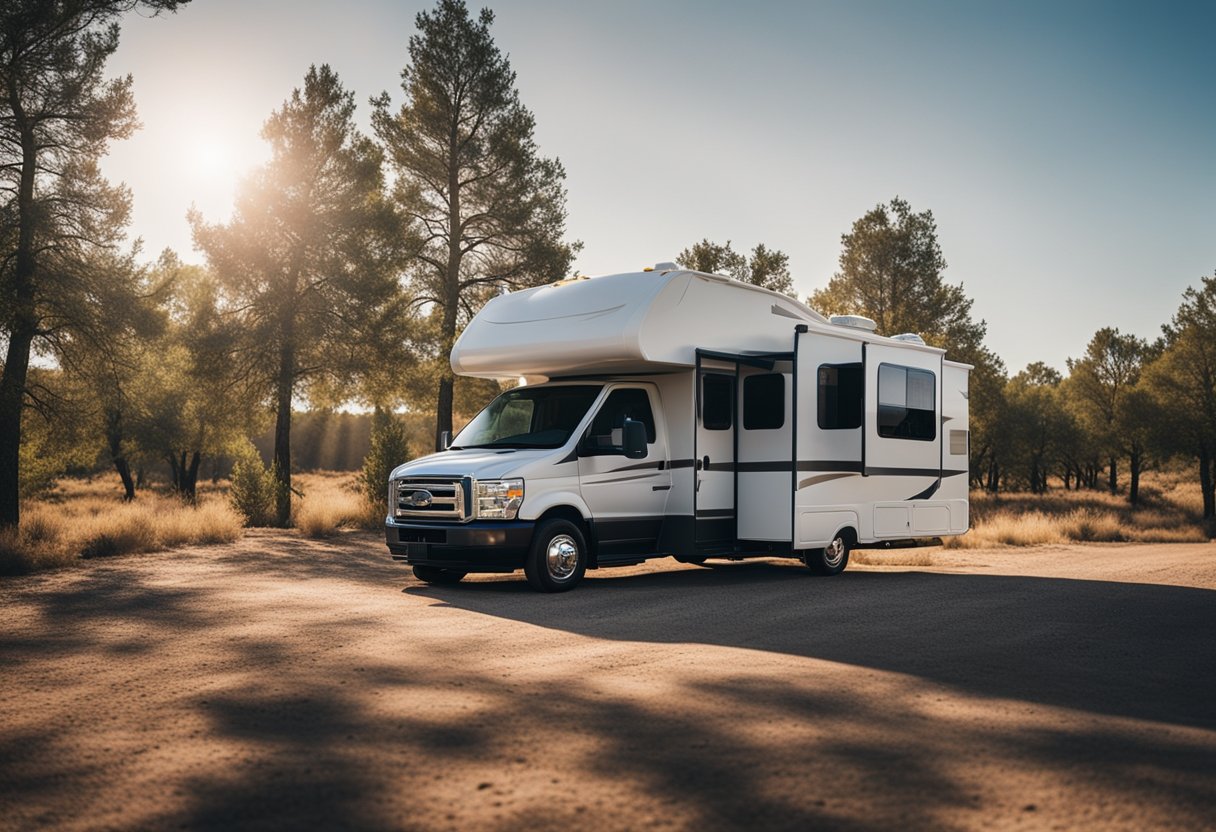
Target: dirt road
{"x": 284, "y": 683}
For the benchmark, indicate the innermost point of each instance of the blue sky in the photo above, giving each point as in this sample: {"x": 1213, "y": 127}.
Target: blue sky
{"x": 1067, "y": 150}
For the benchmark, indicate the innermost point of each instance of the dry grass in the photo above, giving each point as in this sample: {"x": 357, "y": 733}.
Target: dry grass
{"x": 1170, "y": 512}
{"x": 332, "y": 502}
{"x": 892, "y": 557}
{"x": 83, "y": 519}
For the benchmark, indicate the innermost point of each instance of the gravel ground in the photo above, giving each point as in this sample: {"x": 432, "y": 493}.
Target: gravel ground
{"x": 286, "y": 683}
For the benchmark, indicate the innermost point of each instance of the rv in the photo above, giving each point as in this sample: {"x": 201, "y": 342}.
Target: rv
{"x": 671, "y": 413}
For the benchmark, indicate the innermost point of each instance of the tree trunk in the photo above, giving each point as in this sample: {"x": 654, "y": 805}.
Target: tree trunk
{"x": 451, "y": 301}
{"x": 23, "y": 326}
{"x": 189, "y": 489}
{"x": 1205, "y": 482}
{"x": 282, "y": 431}
{"x": 175, "y": 476}
{"x": 1135, "y": 462}
{"x": 12, "y": 401}
{"x": 114, "y": 442}
{"x": 1114, "y": 475}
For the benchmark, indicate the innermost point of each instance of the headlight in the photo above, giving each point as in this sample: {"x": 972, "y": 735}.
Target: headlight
{"x": 497, "y": 499}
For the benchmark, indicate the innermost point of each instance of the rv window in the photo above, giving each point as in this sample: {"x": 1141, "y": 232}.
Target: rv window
{"x": 840, "y": 396}
{"x": 605, "y": 434}
{"x": 764, "y": 402}
{"x": 717, "y": 401}
{"x": 906, "y": 399}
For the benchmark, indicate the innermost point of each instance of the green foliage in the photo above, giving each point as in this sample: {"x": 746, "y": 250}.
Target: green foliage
{"x": 487, "y": 211}
{"x": 767, "y": 267}
{"x": 63, "y": 277}
{"x": 309, "y": 259}
{"x": 389, "y": 448}
{"x": 254, "y": 489}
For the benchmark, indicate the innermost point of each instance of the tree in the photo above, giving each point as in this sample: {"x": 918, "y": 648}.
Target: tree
{"x": 1183, "y": 382}
{"x": 1035, "y": 423}
{"x": 891, "y": 271}
{"x": 487, "y": 212}
{"x": 307, "y": 261}
{"x": 1100, "y": 382}
{"x": 59, "y": 214}
{"x": 767, "y": 267}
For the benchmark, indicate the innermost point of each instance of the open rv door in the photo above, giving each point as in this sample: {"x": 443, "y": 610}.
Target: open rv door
{"x": 714, "y": 462}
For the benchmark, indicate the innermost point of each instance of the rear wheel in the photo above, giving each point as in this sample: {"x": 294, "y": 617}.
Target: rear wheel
{"x": 435, "y": 575}
{"x": 558, "y": 557}
{"x": 833, "y": 558}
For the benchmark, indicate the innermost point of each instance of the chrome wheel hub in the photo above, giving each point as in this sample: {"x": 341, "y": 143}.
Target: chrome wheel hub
{"x": 834, "y": 553}
{"x": 561, "y": 558}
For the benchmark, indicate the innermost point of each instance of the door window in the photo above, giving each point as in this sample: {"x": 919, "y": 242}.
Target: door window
{"x": 717, "y": 401}
{"x": 764, "y": 402}
{"x": 607, "y": 428}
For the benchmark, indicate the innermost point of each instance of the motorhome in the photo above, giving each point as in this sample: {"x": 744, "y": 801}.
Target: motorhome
{"x": 672, "y": 413}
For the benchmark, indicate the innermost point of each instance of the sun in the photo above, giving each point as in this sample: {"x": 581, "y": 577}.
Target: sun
{"x": 211, "y": 157}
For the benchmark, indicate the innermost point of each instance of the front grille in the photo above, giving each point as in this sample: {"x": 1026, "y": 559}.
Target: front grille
{"x": 431, "y": 498}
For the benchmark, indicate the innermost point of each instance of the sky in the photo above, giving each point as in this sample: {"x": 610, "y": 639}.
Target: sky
{"x": 1067, "y": 149}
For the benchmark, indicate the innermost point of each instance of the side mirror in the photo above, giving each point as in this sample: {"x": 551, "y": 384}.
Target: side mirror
{"x": 445, "y": 441}
{"x": 633, "y": 439}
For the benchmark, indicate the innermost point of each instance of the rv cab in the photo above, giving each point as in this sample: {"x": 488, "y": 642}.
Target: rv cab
{"x": 671, "y": 413}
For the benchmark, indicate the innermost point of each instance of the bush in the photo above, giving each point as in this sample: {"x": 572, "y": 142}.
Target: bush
{"x": 253, "y": 489}
{"x": 389, "y": 448}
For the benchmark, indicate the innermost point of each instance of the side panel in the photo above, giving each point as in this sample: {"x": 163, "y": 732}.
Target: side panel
{"x": 956, "y": 444}
{"x": 828, "y": 459}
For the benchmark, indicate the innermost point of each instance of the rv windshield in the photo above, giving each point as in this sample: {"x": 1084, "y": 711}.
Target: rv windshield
{"x": 529, "y": 417}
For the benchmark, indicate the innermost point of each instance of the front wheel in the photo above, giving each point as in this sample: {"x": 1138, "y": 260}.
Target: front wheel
{"x": 435, "y": 575}
{"x": 832, "y": 559}
{"x": 558, "y": 557}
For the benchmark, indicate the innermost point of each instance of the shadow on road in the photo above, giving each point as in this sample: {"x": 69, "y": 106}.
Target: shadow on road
{"x": 294, "y": 686}
{"x": 1137, "y": 650}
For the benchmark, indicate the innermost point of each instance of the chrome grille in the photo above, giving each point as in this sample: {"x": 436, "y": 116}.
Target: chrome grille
{"x": 434, "y": 498}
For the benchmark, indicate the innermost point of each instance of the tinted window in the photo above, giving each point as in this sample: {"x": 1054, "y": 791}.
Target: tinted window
{"x": 717, "y": 402}
{"x": 529, "y": 417}
{"x": 764, "y": 402}
{"x": 840, "y": 396}
{"x": 605, "y": 435}
{"x": 906, "y": 398}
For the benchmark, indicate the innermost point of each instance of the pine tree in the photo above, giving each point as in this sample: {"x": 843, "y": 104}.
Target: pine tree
{"x": 487, "y": 211}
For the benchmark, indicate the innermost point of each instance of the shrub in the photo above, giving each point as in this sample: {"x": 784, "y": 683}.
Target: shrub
{"x": 389, "y": 448}
{"x": 253, "y": 489}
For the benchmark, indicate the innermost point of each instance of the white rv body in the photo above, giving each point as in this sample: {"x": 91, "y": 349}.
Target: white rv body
{"x": 775, "y": 431}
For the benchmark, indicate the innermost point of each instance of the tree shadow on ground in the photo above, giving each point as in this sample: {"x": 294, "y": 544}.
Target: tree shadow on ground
{"x": 1138, "y": 650}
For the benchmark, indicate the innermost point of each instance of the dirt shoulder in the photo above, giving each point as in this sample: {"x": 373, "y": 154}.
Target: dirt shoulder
{"x": 279, "y": 682}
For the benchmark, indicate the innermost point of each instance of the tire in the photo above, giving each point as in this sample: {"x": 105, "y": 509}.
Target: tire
{"x": 833, "y": 559}
{"x": 440, "y": 577}
{"x": 558, "y": 557}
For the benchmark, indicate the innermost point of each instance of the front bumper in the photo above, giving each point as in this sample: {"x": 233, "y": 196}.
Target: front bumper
{"x": 480, "y": 546}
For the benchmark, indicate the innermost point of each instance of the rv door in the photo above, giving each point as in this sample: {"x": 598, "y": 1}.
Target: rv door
{"x": 714, "y": 463}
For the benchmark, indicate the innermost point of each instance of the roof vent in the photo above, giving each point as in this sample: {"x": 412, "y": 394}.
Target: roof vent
{"x": 665, "y": 266}
{"x": 854, "y": 321}
{"x": 909, "y": 338}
